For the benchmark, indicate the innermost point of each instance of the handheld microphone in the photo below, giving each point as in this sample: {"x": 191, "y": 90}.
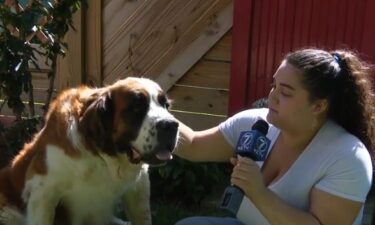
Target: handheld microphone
{"x": 252, "y": 144}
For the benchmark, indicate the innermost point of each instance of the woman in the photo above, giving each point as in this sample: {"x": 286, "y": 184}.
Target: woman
{"x": 322, "y": 124}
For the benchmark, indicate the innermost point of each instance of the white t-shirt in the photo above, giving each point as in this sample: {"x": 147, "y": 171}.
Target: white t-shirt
{"x": 334, "y": 161}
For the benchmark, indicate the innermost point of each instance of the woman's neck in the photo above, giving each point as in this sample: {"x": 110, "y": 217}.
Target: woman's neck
{"x": 297, "y": 139}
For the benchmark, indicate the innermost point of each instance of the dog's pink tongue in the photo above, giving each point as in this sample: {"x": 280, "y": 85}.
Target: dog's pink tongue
{"x": 165, "y": 155}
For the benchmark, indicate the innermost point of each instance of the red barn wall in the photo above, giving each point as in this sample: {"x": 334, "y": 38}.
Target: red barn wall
{"x": 264, "y": 30}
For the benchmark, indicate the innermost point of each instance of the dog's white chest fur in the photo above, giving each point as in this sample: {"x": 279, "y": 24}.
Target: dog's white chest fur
{"x": 88, "y": 186}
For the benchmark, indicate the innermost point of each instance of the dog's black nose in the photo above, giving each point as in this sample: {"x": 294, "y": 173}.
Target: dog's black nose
{"x": 167, "y": 134}
{"x": 167, "y": 126}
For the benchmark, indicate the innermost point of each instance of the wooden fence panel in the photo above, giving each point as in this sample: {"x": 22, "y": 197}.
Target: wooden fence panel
{"x": 200, "y": 97}
{"x": 148, "y": 41}
{"x": 209, "y": 74}
{"x": 199, "y": 121}
{"x": 213, "y": 101}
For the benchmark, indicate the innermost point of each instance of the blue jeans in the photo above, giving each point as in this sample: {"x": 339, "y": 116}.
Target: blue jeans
{"x": 206, "y": 220}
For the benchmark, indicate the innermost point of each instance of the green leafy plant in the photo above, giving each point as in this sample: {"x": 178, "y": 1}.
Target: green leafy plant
{"x": 187, "y": 182}
{"x": 28, "y": 30}
{"x": 13, "y": 138}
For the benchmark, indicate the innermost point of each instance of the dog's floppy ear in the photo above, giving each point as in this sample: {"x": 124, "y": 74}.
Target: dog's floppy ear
{"x": 96, "y": 123}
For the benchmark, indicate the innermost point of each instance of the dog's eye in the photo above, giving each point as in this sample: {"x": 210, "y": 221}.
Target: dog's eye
{"x": 138, "y": 103}
{"x": 167, "y": 105}
{"x": 163, "y": 101}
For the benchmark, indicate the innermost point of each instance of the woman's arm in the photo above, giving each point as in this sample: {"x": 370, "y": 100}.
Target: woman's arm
{"x": 325, "y": 209}
{"x": 207, "y": 145}
{"x": 331, "y": 209}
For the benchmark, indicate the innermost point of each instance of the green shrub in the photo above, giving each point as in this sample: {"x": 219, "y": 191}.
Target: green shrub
{"x": 18, "y": 58}
{"x": 187, "y": 182}
{"x": 13, "y": 138}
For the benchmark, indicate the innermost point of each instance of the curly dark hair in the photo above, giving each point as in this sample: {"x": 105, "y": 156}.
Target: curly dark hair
{"x": 345, "y": 80}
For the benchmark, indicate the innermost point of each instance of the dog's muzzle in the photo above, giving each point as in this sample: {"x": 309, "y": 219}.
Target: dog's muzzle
{"x": 167, "y": 135}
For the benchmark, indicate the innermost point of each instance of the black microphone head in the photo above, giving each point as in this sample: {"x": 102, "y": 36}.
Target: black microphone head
{"x": 261, "y": 126}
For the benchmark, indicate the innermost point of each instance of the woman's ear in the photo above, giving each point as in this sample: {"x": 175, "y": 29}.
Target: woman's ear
{"x": 320, "y": 106}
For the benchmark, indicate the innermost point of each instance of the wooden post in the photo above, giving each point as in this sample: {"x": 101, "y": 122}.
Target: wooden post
{"x": 93, "y": 44}
{"x": 70, "y": 69}
{"x": 240, "y": 54}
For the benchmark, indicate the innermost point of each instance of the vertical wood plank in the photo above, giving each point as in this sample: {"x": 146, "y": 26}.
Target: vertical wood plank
{"x": 240, "y": 53}
{"x": 70, "y": 69}
{"x": 93, "y": 44}
{"x": 367, "y": 45}
{"x": 262, "y": 53}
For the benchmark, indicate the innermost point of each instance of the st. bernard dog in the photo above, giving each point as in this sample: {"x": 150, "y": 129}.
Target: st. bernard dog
{"x": 93, "y": 151}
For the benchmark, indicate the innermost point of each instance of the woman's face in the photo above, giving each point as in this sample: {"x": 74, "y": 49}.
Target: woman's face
{"x": 289, "y": 105}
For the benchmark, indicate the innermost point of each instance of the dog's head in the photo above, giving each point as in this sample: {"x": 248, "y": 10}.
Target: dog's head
{"x": 131, "y": 116}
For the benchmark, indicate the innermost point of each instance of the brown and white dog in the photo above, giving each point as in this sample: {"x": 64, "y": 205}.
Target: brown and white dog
{"x": 94, "y": 149}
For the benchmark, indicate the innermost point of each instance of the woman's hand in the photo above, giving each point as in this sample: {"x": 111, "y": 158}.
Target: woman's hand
{"x": 246, "y": 175}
